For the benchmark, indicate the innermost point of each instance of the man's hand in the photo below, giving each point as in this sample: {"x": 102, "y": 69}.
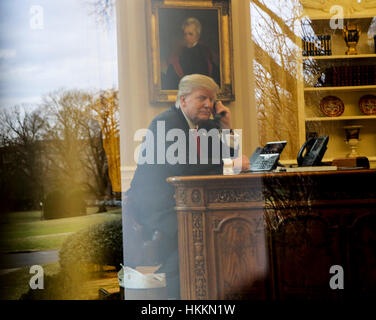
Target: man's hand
{"x": 226, "y": 119}
{"x": 241, "y": 163}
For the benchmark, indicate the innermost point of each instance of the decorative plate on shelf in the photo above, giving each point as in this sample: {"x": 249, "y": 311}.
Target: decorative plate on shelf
{"x": 367, "y": 104}
{"x": 332, "y": 106}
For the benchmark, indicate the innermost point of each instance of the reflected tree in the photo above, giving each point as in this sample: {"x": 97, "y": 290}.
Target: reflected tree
{"x": 105, "y": 109}
{"x": 102, "y": 10}
{"x": 275, "y": 37}
{"x": 21, "y": 157}
{"x": 75, "y": 139}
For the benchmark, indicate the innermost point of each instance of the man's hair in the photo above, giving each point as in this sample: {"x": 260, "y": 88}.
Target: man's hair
{"x": 193, "y": 82}
{"x": 192, "y": 21}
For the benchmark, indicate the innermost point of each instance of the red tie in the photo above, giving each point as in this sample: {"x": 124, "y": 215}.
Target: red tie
{"x": 198, "y": 144}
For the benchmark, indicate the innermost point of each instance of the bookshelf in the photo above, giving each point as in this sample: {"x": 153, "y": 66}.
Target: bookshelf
{"x": 340, "y": 56}
{"x": 340, "y": 118}
{"x": 349, "y": 85}
{"x": 341, "y": 88}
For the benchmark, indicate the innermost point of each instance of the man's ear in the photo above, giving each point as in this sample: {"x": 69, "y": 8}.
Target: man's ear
{"x": 182, "y": 101}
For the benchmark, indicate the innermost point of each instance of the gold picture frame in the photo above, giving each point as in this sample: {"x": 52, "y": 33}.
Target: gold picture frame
{"x": 168, "y": 43}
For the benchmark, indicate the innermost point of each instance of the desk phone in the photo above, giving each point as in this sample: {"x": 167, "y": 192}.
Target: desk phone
{"x": 266, "y": 158}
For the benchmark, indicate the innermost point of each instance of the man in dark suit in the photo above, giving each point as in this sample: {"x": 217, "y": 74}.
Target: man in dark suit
{"x": 167, "y": 151}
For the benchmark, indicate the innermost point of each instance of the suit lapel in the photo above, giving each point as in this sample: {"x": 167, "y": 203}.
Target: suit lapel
{"x": 184, "y": 124}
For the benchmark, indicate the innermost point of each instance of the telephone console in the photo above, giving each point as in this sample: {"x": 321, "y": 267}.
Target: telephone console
{"x": 266, "y": 158}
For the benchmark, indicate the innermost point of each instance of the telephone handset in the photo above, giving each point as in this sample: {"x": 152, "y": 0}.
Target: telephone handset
{"x": 218, "y": 116}
{"x": 266, "y": 158}
{"x": 314, "y": 149}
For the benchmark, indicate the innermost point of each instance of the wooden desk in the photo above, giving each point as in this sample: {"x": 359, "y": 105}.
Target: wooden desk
{"x": 275, "y": 236}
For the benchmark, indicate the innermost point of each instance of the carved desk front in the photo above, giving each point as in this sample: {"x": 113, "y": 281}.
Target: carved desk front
{"x": 277, "y": 235}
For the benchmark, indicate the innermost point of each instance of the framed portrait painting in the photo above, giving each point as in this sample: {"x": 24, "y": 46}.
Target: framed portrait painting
{"x": 186, "y": 37}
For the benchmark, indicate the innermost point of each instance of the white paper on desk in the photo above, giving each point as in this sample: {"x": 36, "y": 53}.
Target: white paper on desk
{"x": 132, "y": 279}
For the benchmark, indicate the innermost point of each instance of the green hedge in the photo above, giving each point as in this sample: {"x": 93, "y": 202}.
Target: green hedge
{"x": 100, "y": 244}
